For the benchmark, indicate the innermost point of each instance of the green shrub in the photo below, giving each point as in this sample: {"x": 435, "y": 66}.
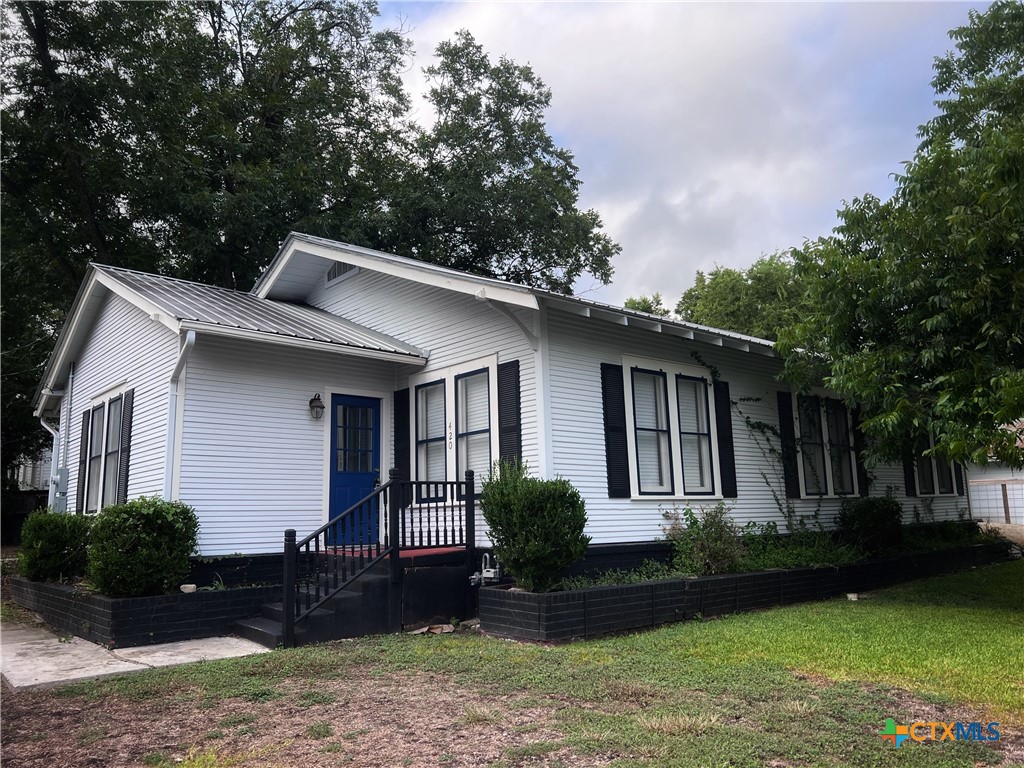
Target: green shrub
{"x": 142, "y": 547}
{"x": 765, "y": 548}
{"x": 946, "y": 534}
{"x": 53, "y": 546}
{"x": 536, "y": 525}
{"x": 705, "y": 542}
{"x": 648, "y": 570}
{"x": 874, "y": 524}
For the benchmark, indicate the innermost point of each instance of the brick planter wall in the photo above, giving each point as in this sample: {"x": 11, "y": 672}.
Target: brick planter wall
{"x": 596, "y": 611}
{"x": 131, "y": 621}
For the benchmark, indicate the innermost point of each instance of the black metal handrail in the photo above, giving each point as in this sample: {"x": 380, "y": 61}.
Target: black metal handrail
{"x": 330, "y": 558}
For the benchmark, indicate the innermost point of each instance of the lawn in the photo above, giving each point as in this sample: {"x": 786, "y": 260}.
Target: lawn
{"x": 804, "y": 686}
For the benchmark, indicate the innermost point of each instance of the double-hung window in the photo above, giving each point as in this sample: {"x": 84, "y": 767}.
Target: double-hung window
{"x": 672, "y": 425}
{"x": 454, "y": 421}
{"x": 934, "y": 475}
{"x": 102, "y": 452}
{"x": 826, "y": 447}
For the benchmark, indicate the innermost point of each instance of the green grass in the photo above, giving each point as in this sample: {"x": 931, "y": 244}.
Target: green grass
{"x": 711, "y": 693}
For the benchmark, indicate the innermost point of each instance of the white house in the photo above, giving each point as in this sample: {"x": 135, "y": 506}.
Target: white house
{"x": 171, "y": 388}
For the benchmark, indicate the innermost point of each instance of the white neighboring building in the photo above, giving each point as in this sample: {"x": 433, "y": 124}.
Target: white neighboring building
{"x": 997, "y": 493}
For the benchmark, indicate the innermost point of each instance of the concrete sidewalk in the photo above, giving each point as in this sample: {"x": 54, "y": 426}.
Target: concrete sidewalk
{"x": 33, "y": 657}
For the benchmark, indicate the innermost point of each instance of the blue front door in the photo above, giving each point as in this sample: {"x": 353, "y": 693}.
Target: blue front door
{"x": 355, "y": 464}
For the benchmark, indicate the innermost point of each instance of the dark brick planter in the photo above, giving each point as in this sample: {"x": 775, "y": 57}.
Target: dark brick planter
{"x": 596, "y": 611}
{"x": 131, "y": 621}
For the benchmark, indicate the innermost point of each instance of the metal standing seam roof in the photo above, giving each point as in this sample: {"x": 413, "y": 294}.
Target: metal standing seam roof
{"x": 196, "y": 302}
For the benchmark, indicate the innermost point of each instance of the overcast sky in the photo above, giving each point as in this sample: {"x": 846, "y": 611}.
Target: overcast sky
{"x": 711, "y": 133}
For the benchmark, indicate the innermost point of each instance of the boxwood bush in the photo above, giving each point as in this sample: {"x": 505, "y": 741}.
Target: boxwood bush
{"x": 53, "y": 546}
{"x": 874, "y": 524}
{"x": 142, "y": 547}
{"x": 536, "y": 525}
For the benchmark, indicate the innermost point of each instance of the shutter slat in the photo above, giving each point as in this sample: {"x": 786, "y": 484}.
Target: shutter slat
{"x": 83, "y": 461}
{"x": 127, "y": 407}
{"x": 726, "y": 449}
{"x": 613, "y": 400}
{"x": 788, "y": 436}
{"x": 510, "y": 430}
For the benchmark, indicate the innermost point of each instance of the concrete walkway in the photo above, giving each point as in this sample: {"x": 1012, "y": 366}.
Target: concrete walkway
{"x": 33, "y": 657}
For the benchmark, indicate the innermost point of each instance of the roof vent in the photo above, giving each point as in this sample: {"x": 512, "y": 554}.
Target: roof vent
{"x": 339, "y": 269}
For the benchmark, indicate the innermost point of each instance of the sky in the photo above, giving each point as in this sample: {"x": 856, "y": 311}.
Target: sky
{"x": 712, "y": 133}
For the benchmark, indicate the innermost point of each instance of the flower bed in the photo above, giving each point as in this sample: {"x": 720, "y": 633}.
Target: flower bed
{"x": 132, "y": 621}
{"x": 595, "y": 611}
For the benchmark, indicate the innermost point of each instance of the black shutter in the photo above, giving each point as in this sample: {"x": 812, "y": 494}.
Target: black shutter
{"x": 909, "y": 481}
{"x": 127, "y": 406}
{"x": 83, "y": 460}
{"x": 790, "y": 474}
{"x": 401, "y": 403}
{"x": 863, "y": 481}
{"x": 616, "y": 455}
{"x": 958, "y": 477}
{"x": 510, "y": 434}
{"x": 726, "y": 450}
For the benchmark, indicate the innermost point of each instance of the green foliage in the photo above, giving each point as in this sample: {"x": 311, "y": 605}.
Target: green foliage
{"x": 142, "y": 547}
{"x": 536, "y": 525}
{"x": 648, "y": 570}
{"x": 874, "y": 524}
{"x": 53, "y": 546}
{"x": 652, "y": 305}
{"x": 765, "y": 548}
{"x": 947, "y": 534}
{"x": 917, "y": 304}
{"x": 758, "y": 301}
{"x": 280, "y": 116}
{"x": 705, "y": 542}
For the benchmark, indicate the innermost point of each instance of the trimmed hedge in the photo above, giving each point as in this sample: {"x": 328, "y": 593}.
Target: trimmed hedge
{"x": 53, "y": 546}
{"x": 142, "y": 547}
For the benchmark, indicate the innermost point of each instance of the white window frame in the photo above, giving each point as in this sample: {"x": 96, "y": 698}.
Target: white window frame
{"x": 935, "y": 474}
{"x": 671, "y": 371}
{"x": 448, "y": 375}
{"x": 103, "y": 401}
{"x": 823, "y": 396}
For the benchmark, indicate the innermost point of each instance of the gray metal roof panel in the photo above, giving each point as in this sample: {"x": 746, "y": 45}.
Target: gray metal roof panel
{"x": 189, "y": 301}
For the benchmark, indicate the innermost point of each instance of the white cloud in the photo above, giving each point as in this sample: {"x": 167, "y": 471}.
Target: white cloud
{"x": 714, "y": 132}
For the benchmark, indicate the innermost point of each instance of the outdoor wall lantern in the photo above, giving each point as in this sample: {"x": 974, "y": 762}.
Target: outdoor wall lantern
{"x": 316, "y": 406}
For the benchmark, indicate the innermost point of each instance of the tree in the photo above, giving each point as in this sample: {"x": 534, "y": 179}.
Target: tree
{"x": 757, "y": 301}
{"x": 489, "y": 191}
{"x": 188, "y": 139}
{"x": 918, "y": 302}
{"x": 652, "y": 305}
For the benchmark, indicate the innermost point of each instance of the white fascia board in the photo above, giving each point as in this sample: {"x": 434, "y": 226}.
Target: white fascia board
{"x": 379, "y": 262}
{"x": 297, "y": 343}
{"x": 155, "y": 312}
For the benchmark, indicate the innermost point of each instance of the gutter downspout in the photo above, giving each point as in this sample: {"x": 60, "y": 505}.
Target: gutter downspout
{"x": 54, "y": 463}
{"x": 172, "y": 411}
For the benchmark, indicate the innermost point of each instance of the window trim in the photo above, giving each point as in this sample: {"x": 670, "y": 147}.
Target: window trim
{"x": 417, "y": 442}
{"x": 673, "y": 370}
{"x": 102, "y": 403}
{"x": 823, "y": 397}
{"x": 459, "y": 471}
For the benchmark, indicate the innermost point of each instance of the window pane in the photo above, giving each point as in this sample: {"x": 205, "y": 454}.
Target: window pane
{"x": 430, "y": 411}
{"x": 814, "y": 468}
{"x": 649, "y": 400}
{"x": 430, "y": 461}
{"x": 693, "y": 405}
{"x": 110, "y": 479}
{"x": 652, "y": 461}
{"x": 943, "y": 475}
{"x": 842, "y": 469}
{"x": 472, "y": 403}
{"x": 475, "y": 454}
{"x": 697, "y": 463}
{"x": 114, "y": 425}
{"x": 838, "y": 425}
{"x": 810, "y": 419}
{"x": 925, "y": 478}
{"x": 96, "y": 433}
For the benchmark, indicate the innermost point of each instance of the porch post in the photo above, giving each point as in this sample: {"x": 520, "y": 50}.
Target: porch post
{"x": 470, "y": 521}
{"x": 288, "y": 601}
{"x": 395, "y": 500}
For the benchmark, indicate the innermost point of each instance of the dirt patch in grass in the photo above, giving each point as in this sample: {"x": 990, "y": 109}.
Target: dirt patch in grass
{"x": 395, "y": 720}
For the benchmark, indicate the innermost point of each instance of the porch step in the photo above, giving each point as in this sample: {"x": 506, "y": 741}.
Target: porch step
{"x": 266, "y": 632}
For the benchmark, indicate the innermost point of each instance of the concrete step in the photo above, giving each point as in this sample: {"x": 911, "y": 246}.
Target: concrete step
{"x": 259, "y": 629}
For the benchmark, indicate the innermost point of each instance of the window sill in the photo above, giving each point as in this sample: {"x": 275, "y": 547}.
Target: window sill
{"x": 666, "y": 497}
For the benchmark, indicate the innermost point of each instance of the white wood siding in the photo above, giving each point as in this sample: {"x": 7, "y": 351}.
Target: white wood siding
{"x": 125, "y": 347}
{"x": 253, "y": 460}
{"x": 578, "y": 346}
{"x": 454, "y": 328}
